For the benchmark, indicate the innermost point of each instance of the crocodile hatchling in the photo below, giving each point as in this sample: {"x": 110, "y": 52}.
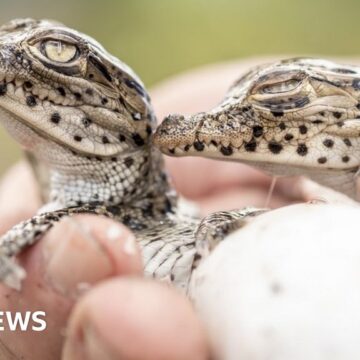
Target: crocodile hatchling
{"x": 294, "y": 117}
{"x": 87, "y": 121}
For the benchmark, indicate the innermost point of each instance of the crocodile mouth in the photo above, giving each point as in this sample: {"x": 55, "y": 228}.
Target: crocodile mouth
{"x": 53, "y": 115}
{"x": 180, "y": 136}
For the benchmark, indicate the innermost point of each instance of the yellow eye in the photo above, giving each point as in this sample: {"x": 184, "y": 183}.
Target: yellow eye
{"x": 281, "y": 87}
{"x": 59, "y": 51}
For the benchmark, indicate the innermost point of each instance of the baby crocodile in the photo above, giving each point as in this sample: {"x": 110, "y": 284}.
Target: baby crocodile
{"x": 87, "y": 121}
{"x": 293, "y": 117}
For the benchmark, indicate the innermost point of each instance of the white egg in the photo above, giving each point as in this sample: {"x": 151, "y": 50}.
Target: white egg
{"x": 286, "y": 286}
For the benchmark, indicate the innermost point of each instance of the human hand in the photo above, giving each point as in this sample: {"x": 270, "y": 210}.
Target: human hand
{"x": 86, "y": 275}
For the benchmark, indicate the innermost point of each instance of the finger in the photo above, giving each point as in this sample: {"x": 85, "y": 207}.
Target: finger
{"x": 137, "y": 320}
{"x": 19, "y": 196}
{"x": 76, "y": 254}
{"x": 307, "y": 190}
{"x": 197, "y": 177}
{"x": 237, "y": 198}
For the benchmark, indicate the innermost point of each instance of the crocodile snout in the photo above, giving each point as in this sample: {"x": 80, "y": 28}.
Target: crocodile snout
{"x": 176, "y": 130}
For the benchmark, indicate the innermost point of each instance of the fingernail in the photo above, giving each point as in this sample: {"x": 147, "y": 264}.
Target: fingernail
{"x": 87, "y": 344}
{"x": 81, "y": 251}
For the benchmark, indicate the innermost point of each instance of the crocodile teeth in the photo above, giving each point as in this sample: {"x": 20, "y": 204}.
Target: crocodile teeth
{"x": 55, "y": 97}
{"x": 225, "y": 143}
{"x": 236, "y": 142}
{"x": 10, "y": 88}
{"x": 43, "y": 94}
{"x": 18, "y": 82}
{"x": 9, "y": 77}
{"x": 19, "y": 92}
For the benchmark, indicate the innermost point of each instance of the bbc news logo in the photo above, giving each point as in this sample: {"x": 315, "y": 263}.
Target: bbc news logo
{"x": 17, "y": 321}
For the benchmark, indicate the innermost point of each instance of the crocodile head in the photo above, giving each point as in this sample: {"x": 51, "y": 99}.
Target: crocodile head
{"x": 63, "y": 85}
{"x": 80, "y": 110}
{"x": 298, "y": 116}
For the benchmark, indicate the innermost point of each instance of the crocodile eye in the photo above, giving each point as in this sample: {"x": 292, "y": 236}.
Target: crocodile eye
{"x": 280, "y": 87}
{"x": 59, "y": 51}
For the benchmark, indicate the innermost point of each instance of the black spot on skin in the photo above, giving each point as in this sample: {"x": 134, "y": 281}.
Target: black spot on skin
{"x": 37, "y": 233}
{"x": 226, "y": 150}
{"x": 343, "y": 71}
{"x": 30, "y": 101}
{"x": 128, "y": 162}
{"x": 302, "y": 102}
{"x": 91, "y": 76}
{"x": 77, "y": 95}
{"x": 138, "y": 140}
{"x": 322, "y": 113}
{"x": 172, "y": 151}
{"x": 122, "y": 138}
{"x": 347, "y": 142}
{"x": 168, "y": 206}
{"x": 288, "y": 137}
{"x": 104, "y": 101}
{"x": 345, "y": 159}
{"x": 86, "y": 121}
{"x": 61, "y": 91}
{"x": 114, "y": 159}
{"x": 148, "y": 129}
{"x": 277, "y": 113}
{"x": 214, "y": 143}
{"x": 19, "y": 56}
{"x": 55, "y": 118}
{"x": 98, "y": 158}
{"x": 356, "y": 84}
{"x": 358, "y": 106}
{"x": 101, "y": 67}
{"x": 337, "y": 114}
{"x": 317, "y": 121}
{"x": 328, "y": 143}
{"x": 303, "y": 129}
{"x": 28, "y": 84}
{"x": 187, "y": 147}
{"x": 3, "y": 89}
{"x": 77, "y": 138}
{"x": 148, "y": 210}
{"x": 302, "y": 149}
{"x": 246, "y": 108}
{"x": 282, "y": 126}
{"x": 89, "y": 92}
{"x": 132, "y": 84}
{"x": 105, "y": 140}
{"x": 258, "y": 131}
{"x": 251, "y": 145}
{"x": 199, "y": 146}
{"x": 275, "y": 147}
{"x": 322, "y": 160}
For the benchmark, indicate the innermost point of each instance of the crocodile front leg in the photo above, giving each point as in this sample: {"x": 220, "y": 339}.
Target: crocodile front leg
{"x": 27, "y": 233}
{"x": 216, "y": 226}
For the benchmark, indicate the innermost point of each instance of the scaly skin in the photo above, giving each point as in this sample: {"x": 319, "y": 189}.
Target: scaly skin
{"x": 86, "y": 121}
{"x": 294, "y": 117}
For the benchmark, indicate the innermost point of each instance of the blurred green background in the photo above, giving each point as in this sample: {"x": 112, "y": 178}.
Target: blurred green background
{"x": 158, "y": 38}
